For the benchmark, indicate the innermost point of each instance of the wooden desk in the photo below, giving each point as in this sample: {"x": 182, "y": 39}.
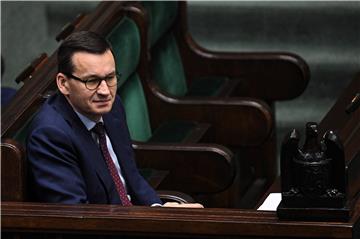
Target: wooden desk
{"x": 163, "y": 222}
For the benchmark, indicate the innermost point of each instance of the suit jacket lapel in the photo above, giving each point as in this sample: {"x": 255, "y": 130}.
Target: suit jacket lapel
{"x": 94, "y": 156}
{"x": 117, "y": 132}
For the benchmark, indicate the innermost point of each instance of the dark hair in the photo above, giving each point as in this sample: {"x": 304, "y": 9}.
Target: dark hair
{"x": 82, "y": 41}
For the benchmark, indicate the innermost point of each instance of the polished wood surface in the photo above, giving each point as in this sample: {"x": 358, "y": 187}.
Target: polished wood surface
{"x": 347, "y": 126}
{"x": 13, "y": 171}
{"x": 164, "y": 222}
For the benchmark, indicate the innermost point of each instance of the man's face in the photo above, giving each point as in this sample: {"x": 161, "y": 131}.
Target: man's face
{"x": 91, "y": 103}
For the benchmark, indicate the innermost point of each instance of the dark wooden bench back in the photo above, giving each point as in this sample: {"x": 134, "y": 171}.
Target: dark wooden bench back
{"x": 13, "y": 171}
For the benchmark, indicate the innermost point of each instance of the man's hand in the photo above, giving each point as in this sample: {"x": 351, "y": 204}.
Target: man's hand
{"x": 187, "y": 205}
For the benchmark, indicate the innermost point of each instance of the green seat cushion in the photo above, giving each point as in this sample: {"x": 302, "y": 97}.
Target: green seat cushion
{"x": 206, "y": 86}
{"x": 161, "y": 17}
{"x": 168, "y": 71}
{"x": 172, "y": 131}
{"x": 137, "y": 115}
{"x": 125, "y": 41}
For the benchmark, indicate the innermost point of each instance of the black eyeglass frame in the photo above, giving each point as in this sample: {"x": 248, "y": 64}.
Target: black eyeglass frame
{"x": 100, "y": 79}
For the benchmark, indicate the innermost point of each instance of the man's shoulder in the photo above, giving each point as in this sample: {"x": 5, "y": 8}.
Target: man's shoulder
{"x": 48, "y": 115}
{"x": 117, "y": 107}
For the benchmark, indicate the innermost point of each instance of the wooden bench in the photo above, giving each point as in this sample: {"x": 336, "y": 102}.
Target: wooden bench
{"x": 210, "y": 185}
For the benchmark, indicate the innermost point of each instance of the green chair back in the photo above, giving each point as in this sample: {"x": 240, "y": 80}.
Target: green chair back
{"x": 168, "y": 70}
{"x": 161, "y": 17}
{"x": 137, "y": 116}
{"x": 125, "y": 40}
{"x": 167, "y": 67}
{"x": 166, "y": 61}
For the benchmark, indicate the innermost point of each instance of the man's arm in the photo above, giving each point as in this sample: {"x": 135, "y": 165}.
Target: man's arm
{"x": 54, "y": 168}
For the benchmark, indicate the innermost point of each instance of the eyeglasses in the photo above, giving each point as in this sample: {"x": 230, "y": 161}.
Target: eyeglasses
{"x": 93, "y": 82}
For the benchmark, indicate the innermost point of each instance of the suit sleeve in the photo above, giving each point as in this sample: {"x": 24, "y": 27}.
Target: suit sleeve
{"x": 142, "y": 193}
{"x": 54, "y": 168}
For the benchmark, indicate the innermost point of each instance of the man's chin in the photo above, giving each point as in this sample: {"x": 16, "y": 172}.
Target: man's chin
{"x": 103, "y": 111}
{"x": 103, "y": 106}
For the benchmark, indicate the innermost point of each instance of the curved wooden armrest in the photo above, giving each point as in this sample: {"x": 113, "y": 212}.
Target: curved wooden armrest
{"x": 174, "y": 196}
{"x": 235, "y": 121}
{"x": 200, "y": 168}
{"x": 13, "y": 171}
{"x": 269, "y": 76}
{"x": 340, "y": 117}
{"x": 265, "y": 75}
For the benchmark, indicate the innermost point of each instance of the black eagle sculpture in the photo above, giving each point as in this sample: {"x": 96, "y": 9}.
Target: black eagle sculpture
{"x": 314, "y": 175}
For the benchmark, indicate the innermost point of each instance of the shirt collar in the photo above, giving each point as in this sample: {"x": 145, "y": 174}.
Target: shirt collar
{"x": 89, "y": 124}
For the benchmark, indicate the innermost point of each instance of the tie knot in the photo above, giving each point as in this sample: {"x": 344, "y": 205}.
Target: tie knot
{"x": 98, "y": 128}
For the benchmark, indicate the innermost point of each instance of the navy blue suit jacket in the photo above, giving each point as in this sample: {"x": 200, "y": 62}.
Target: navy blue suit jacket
{"x": 66, "y": 164}
{"x": 7, "y": 94}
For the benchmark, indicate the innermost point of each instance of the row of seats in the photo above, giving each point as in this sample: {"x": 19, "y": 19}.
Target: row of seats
{"x": 205, "y": 118}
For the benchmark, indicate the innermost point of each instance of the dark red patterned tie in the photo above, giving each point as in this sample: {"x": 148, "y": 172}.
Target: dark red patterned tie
{"x": 100, "y": 131}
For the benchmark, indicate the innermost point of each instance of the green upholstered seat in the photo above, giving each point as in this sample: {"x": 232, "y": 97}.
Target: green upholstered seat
{"x": 167, "y": 67}
{"x": 168, "y": 71}
{"x": 137, "y": 116}
{"x": 162, "y": 15}
{"x": 125, "y": 41}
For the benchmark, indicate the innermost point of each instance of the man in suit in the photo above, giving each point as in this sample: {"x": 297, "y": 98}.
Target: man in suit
{"x": 70, "y": 161}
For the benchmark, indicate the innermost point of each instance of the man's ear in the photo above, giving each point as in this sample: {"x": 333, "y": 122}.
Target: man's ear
{"x": 62, "y": 83}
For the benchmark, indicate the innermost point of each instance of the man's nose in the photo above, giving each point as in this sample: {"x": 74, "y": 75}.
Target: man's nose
{"x": 103, "y": 88}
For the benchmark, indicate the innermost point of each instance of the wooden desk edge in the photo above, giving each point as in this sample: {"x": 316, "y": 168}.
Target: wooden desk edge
{"x": 118, "y": 220}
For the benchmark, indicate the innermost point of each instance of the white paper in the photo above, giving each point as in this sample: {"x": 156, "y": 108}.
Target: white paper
{"x": 271, "y": 202}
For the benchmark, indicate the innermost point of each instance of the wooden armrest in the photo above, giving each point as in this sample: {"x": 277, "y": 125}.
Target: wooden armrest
{"x": 13, "y": 171}
{"x": 260, "y": 74}
{"x": 200, "y": 168}
{"x": 235, "y": 121}
{"x": 31, "y": 68}
{"x": 268, "y": 76}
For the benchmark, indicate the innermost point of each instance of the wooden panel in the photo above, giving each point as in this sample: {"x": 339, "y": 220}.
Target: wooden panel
{"x": 160, "y": 222}
{"x": 12, "y": 171}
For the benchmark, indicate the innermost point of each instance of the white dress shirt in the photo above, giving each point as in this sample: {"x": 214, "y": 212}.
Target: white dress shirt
{"x": 89, "y": 124}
